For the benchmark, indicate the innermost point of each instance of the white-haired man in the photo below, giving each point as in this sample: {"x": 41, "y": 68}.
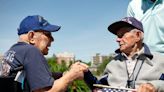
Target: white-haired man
{"x": 134, "y": 66}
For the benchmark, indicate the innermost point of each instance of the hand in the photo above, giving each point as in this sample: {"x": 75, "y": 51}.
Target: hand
{"x": 146, "y": 88}
{"x": 81, "y": 66}
{"x": 77, "y": 70}
{"x": 96, "y": 90}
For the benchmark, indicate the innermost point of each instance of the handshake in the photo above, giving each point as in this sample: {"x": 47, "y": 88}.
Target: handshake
{"x": 76, "y": 71}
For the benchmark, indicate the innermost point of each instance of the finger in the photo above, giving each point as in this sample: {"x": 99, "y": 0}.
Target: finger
{"x": 83, "y": 68}
{"x": 76, "y": 63}
{"x": 146, "y": 88}
{"x": 150, "y": 87}
{"x": 140, "y": 89}
{"x": 84, "y": 65}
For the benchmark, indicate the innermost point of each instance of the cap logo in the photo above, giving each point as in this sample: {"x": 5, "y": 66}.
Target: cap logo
{"x": 127, "y": 20}
{"x": 45, "y": 23}
{"x": 42, "y": 21}
{"x": 40, "y": 18}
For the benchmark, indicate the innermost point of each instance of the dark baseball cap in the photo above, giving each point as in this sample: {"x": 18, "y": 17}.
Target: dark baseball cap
{"x": 36, "y": 22}
{"x": 125, "y": 22}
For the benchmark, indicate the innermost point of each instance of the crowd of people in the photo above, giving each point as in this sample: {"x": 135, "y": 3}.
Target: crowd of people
{"x": 138, "y": 63}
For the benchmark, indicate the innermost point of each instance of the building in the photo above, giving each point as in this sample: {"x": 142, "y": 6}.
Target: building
{"x": 65, "y": 57}
{"x": 97, "y": 60}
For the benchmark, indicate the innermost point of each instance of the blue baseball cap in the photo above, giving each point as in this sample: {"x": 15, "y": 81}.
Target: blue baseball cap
{"x": 125, "y": 22}
{"x": 34, "y": 23}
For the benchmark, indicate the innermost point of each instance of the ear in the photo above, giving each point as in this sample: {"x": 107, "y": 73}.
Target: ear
{"x": 31, "y": 37}
{"x": 138, "y": 36}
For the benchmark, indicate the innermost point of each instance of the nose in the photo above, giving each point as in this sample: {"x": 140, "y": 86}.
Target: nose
{"x": 118, "y": 39}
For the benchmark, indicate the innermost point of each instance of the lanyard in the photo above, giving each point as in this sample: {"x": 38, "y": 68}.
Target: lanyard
{"x": 138, "y": 65}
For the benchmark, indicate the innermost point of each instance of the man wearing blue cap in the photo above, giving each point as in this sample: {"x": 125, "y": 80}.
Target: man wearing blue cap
{"x": 27, "y": 56}
{"x": 133, "y": 66}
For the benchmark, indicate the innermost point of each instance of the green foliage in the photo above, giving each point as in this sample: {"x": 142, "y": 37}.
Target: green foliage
{"x": 54, "y": 67}
{"x": 101, "y": 67}
{"x": 89, "y": 63}
{"x": 76, "y": 86}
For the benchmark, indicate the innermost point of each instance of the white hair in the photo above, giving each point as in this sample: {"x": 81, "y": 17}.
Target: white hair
{"x": 137, "y": 30}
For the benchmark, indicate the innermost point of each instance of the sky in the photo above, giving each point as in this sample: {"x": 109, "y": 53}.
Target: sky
{"x": 83, "y": 24}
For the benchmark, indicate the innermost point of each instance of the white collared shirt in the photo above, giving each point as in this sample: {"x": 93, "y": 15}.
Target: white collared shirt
{"x": 131, "y": 62}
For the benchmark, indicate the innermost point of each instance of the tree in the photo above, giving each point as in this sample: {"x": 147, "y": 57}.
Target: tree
{"x": 101, "y": 67}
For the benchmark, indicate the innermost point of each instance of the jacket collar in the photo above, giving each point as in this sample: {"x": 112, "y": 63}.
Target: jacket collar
{"x": 146, "y": 53}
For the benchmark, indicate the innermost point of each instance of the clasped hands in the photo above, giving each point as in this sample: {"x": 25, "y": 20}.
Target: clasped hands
{"x": 77, "y": 70}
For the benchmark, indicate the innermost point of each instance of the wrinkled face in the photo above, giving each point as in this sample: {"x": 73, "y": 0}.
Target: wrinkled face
{"x": 42, "y": 40}
{"x": 126, "y": 39}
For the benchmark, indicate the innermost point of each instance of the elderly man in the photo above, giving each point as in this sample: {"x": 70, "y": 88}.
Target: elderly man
{"x": 34, "y": 39}
{"x": 134, "y": 66}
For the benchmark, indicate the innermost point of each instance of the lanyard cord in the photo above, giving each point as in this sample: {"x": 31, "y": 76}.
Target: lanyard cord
{"x": 139, "y": 70}
{"x": 131, "y": 79}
